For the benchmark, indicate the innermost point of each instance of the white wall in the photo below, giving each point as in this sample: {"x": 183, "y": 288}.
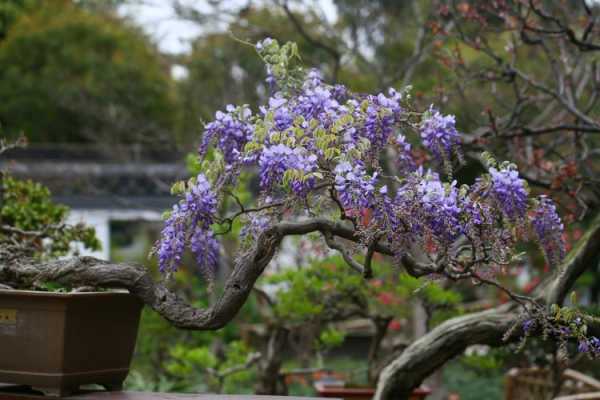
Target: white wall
{"x": 100, "y": 221}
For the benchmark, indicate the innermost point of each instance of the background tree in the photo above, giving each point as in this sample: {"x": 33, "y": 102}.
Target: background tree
{"x": 70, "y": 75}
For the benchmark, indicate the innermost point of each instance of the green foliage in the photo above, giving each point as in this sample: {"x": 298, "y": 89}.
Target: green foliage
{"x": 311, "y": 291}
{"x": 427, "y": 290}
{"x": 189, "y": 363}
{"x": 70, "y": 75}
{"x": 10, "y": 10}
{"x": 28, "y": 207}
{"x": 331, "y": 337}
{"x": 472, "y": 382}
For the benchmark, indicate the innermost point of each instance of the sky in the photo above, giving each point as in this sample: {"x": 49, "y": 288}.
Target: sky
{"x": 173, "y": 35}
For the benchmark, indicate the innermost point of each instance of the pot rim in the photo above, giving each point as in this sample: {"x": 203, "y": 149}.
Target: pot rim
{"x": 323, "y": 388}
{"x": 41, "y": 293}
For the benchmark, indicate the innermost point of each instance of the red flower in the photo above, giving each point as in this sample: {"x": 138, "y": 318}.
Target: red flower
{"x": 394, "y": 325}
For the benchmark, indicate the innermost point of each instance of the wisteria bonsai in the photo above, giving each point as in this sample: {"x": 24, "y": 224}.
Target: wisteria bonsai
{"x": 371, "y": 174}
{"x": 329, "y": 159}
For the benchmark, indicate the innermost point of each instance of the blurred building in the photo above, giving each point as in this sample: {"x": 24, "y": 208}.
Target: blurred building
{"x": 108, "y": 188}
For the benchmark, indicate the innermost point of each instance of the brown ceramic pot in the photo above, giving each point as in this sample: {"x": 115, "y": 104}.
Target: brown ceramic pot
{"x": 55, "y": 342}
{"x": 362, "y": 393}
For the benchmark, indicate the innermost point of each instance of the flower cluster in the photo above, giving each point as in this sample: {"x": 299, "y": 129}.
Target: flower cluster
{"x": 231, "y": 129}
{"x": 549, "y": 230}
{"x": 276, "y": 160}
{"x": 193, "y": 214}
{"x": 172, "y": 242}
{"x": 380, "y": 119}
{"x": 590, "y": 346}
{"x": 404, "y": 158}
{"x": 205, "y": 248}
{"x": 317, "y": 103}
{"x": 439, "y": 134}
{"x": 509, "y": 192}
{"x": 440, "y": 208}
{"x": 429, "y": 207}
{"x": 355, "y": 188}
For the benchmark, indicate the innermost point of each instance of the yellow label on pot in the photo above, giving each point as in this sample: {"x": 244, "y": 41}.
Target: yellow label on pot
{"x": 8, "y": 316}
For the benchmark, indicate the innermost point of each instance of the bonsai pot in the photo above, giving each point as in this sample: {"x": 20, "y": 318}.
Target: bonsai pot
{"x": 361, "y": 393}
{"x": 55, "y": 342}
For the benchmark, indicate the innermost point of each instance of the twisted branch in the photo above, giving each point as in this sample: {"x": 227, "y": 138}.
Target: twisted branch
{"x": 452, "y": 337}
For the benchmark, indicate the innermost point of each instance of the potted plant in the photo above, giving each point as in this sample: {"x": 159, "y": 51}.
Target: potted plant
{"x": 300, "y": 308}
{"x": 336, "y": 164}
{"x": 324, "y": 294}
{"x": 56, "y": 338}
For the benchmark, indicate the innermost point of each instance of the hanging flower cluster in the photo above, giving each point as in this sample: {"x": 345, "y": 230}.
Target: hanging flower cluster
{"x": 439, "y": 134}
{"x": 189, "y": 223}
{"x": 510, "y": 192}
{"x": 355, "y": 188}
{"x": 548, "y": 228}
{"x": 276, "y": 160}
{"x": 231, "y": 130}
{"x": 320, "y": 149}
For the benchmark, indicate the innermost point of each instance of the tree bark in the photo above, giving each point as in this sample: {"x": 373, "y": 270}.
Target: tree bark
{"x": 270, "y": 379}
{"x": 88, "y": 271}
{"x": 381, "y": 327}
{"x": 447, "y": 340}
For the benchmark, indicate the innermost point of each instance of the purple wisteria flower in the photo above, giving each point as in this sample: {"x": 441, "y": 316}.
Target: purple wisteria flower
{"x": 429, "y": 206}
{"x": 314, "y": 79}
{"x": 590, "y": 345}
{"x": 231, "y": 129}
{"x": 263, "y": 44}
{"x": 276, "y": 160}
{"x": 440, "y": 208}
{"x": 404, "y": 159}
{"x": 317, "y": 103}
{"x": 355, "y": 187}
{"x": 509, "y": 192}
{"x": 205, "y": 248}
{"x": 172, "y": 242}
{"x": 439, "y": 134}
{"x": 549, "y": 228}
{"x": 255, "y": 225}
{"x": 529, "y": 326}
{"x": 378, "y": 120}
{"x": 282, "y": 116}
{"x": 339, "y": 92}
{"x": 194, "y": 213}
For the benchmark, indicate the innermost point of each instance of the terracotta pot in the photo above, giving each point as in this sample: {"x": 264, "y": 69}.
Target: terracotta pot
{"x": 361, "y": 393}
{"x": 55, "y": 342}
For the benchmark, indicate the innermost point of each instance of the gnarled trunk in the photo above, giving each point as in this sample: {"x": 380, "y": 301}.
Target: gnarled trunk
{"x": 270, "y": 379}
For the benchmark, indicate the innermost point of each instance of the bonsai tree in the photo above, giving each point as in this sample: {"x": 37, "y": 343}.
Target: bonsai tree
{"x": 32, "y": 226}
{"x": 326, "y": 292}
{"x": 342, "y": 165}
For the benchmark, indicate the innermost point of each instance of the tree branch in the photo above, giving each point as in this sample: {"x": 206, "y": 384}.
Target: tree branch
{"x": 452, "y": 337}
{"x": 88, "y": 271}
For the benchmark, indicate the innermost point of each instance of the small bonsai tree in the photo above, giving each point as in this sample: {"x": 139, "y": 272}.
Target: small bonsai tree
{"x": 325, "y": 292}
{"x": 32, "y": 226}
{"x": 343, "y": 165}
